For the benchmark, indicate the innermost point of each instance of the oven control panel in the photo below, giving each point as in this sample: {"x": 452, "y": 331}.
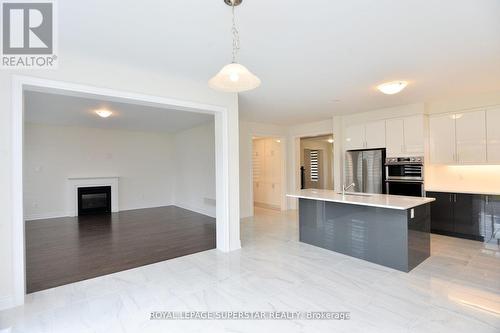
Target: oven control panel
{"x": 404, "y": 160}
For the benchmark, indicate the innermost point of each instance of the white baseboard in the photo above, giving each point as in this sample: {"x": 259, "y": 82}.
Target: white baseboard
{"x": 6, "y": 302}
{"x": 122, "y": 209}
{"x": 54, "y": 215}
{"x": 201, "y": 210}
{"x": 266, "y": 205}
{"x": 196, "y": 209}
{"x": 42, "y": 216}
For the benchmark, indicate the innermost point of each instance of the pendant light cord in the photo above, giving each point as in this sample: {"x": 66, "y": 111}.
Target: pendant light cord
{"x": 236, "y": 36}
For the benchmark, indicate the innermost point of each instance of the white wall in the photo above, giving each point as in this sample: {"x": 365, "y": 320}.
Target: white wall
{"x": 142, "y": 160}
{"x": 194, "y": 155}
{"x": 107, "y": 74}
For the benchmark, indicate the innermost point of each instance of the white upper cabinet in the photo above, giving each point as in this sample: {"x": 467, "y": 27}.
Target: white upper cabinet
{"x": 442, "y": 139}
{"x": 405, "y": 136}
{"x": 461, "y": 138}
{"x": 394, "y": 137}
{"x": 355, "y": 137}
{"x": 471, "y": 137}
{"x": 493, "y": 135}
{"x": 414, "y": 135}
{"x": 375, "y": 135}
{"x": 365, "y": 136}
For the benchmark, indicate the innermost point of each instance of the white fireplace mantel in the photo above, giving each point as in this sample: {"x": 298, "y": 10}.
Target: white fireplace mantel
{"x": 75, "y": 182}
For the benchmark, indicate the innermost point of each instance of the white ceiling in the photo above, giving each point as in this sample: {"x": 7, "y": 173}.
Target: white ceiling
{"x": 307, "y": 53}
{"x": 56, "y": 109}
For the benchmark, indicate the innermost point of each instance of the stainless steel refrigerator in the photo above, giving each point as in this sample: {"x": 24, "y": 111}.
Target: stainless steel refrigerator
{"x": 365, "y": 168}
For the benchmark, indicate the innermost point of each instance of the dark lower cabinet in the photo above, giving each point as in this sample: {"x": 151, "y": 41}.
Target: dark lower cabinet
{"x": 441, "y": 212}
{"x": 468, "y": 211}
{"x": 458, "y": 214}
{"x": 492, "y": 218}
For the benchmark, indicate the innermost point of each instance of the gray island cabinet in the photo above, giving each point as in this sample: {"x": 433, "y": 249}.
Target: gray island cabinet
{"x": 388, "y": 230}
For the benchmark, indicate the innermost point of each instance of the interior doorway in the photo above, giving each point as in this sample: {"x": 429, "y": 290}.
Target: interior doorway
{"x": 268, "y": 173}
{"x": 95, "y": 188}
{"x": 227, "y": 232}
{"x": 316, "y": 162}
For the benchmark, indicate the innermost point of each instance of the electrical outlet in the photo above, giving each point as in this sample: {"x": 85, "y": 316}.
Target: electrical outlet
{"x": 412, "y": 213}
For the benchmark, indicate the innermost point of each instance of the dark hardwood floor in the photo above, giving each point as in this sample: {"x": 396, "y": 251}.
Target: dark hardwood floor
{"x": 70, "y": 249}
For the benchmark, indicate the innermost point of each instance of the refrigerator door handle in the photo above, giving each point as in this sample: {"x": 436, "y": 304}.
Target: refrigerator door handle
{"x": 365, "y": 176}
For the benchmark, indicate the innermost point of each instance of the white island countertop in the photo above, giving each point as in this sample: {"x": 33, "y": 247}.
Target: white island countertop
{"x": 363, "y": 199}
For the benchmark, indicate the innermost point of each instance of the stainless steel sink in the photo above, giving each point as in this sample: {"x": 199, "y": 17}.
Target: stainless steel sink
{"x": 356, "y": 194}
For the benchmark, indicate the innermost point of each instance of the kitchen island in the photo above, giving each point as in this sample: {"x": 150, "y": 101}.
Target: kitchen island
{"x": 389, "y": 230}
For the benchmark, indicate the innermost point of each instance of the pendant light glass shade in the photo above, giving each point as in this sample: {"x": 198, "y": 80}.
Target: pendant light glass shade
{"x": 234, "y": 78}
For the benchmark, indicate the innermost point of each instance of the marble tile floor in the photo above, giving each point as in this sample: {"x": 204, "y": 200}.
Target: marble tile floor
{"x": 456, "y": 290}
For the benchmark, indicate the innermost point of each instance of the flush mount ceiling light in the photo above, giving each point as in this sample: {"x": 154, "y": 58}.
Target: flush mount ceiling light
{"x": 393, "y": 87}
{"x": 330, "y": 140}
{"x": 234, "y": 77}
{"x": 103, "y": 113}
{"x": 456, "y": 116}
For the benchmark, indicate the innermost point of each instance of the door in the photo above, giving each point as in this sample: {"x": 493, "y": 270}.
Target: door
{"x": 375, "y": 135}
{"x": 471, "y": 137}
{"x": 395, "y": 137}
{"x": 258, "y": 156}
{"x": 313, "y": 168}
{"x": 355, "y": 137}
{"x": 372, "y": 171}
{"x": 493, "y": 135}
{"x": 441, "y": 212}
{"x": 353, "y": 172}
{"x": 273, "y": 158}
{"x": 467, "y": 214}
{"x": 414, "y": 135}
{"x": 442, "y": 139}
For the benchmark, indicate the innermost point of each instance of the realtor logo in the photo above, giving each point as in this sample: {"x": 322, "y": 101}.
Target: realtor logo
{"x": 28, "y": 34}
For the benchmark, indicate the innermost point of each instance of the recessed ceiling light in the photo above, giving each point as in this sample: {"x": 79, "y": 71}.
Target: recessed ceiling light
{"x": 393, "y": 87}
{"x": 103, "y": 113}
{"x": 330, "y": 140}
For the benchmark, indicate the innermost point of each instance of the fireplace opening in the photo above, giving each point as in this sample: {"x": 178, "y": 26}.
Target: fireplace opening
{"x": 94, "y": 200}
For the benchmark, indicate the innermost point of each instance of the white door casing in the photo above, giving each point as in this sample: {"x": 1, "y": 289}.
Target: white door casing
{"x": 227, "y": 236}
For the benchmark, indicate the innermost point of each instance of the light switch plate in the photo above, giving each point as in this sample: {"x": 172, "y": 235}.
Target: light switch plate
{"x": 412, "y": 213}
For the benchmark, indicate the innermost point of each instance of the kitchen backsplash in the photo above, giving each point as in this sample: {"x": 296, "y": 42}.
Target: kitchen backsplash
{"x": 474, "y": 178}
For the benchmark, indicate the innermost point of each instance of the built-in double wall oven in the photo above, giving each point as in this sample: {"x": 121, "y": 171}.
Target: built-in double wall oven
{"x": 405, "y": 176}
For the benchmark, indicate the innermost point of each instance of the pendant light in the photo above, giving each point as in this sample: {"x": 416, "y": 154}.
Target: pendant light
{"x": 234, "y": 77}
